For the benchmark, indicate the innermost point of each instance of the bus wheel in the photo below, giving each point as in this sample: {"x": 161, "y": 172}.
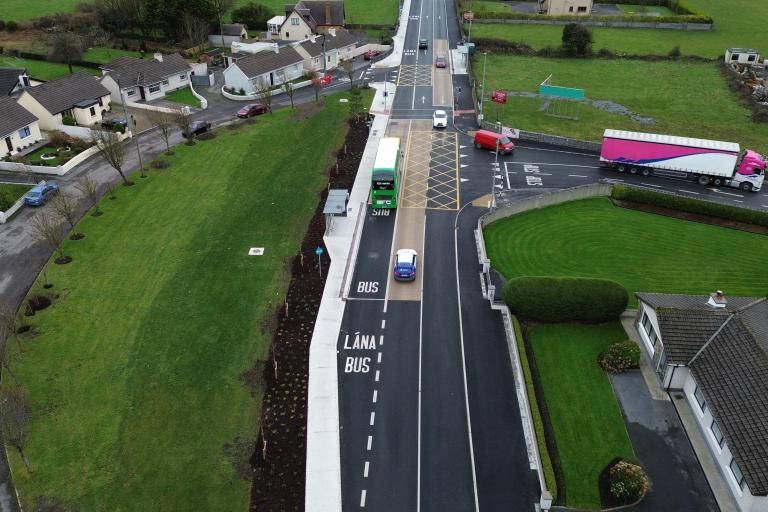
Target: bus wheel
{"x": 746, "y": 187}
{"x": 703, "y": 180}
{"x": 718, "y": 182}
{"x": 621, "y": 168}
{"x": 646, "y": 171}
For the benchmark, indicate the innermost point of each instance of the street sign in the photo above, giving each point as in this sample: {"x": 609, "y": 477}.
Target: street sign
{"x": 499, "y": 96}
{"x": 469, "y": 16}
{"x": 319, "y": 251}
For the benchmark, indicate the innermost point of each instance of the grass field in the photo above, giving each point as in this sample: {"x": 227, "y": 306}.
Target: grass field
{"x": 183, "y": 96}
{"x": 690, "y": 99}
{"x": 588, "y": 426}
{"x": 135, "y": 375}
{"x": 644, "y": 10}
{"x": 43, "y": 70}
{"x": 104, "y": 55}
{"x": 10, "y": 193}
{"x": 732, "y": 29}
{"x": 35, "y": 158}
{"x": 644, "y": 252}
{"x": 377, "y": 12}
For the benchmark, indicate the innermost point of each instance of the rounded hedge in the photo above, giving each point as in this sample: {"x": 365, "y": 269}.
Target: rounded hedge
{"x": 621, "y": 356}
{"x": 565, "y": 299}
{"x": 629, "y": 482}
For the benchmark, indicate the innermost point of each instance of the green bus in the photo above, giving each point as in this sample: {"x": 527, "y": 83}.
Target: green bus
{"x": 385, "y": 174}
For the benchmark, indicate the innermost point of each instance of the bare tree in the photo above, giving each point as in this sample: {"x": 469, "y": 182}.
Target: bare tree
{"x": 164, "y": 121}
{"x": 221, "y": 8}
{"x": 65, "y": 205}
{"x": 90, "y": 190}
{"x": 15, "y": 417}
{"x": 9, "y": 325}
{"x": 47, "y": 230}
{"x": 112, "y": 150}
{"x": 289, "y": 90}
{"x": 196, "y": 29}
{"x": 348, "y": 66}
{"x": 184, "y": 120}
{"x": 264, "y": 95}
{"x": 317, "y": 83}
{"x": 66, "y": 47}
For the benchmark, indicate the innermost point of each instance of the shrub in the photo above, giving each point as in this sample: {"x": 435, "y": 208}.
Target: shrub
{"x": 675, "y": 52}
{"x": 629, "y": 482}
{"x": 577, "y": 40}
{"x": 161, "y": 164}
{"x": 565, "y": 299}
{"x": 685, "y": 204}
{"x": 59, "y": 139}
{"x": 68, "y": 121}
{"x": 2, "y": 24}
{"x": 621, "y": 356}
{"x": 11, "y": 26}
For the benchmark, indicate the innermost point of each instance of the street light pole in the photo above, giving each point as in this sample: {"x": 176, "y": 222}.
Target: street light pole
{"x": 482, "y": 89}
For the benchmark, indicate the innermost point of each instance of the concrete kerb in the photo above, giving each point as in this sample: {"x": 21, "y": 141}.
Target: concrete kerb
{"x": 398, "y": 40}
{"x": 323, "y": 477}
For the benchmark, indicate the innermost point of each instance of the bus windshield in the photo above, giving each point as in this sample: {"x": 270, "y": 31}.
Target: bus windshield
{"x": 383, "y": 181}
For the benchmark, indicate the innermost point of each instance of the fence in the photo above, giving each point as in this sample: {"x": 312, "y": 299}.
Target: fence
{"x": 598, "y": 23}
{"x": 144, "y": 106}
{"x": 554, "y": 140}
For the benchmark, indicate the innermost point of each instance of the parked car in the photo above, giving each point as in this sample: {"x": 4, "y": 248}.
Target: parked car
{"x": 423, "y": 44}
{"x": 326, "y": 79}
{"x": 371, "y": 54}
{"x": 439, "y": 119}
{"x": 405, "y": 265}
{"x": 118, "y": 125}
{"x": 252, "y": 109}
{"x": 196, "y": 128}
{"x": 441, "y": 62}
{"x": 485, "y": 139}
{"x": 41, "y": 193}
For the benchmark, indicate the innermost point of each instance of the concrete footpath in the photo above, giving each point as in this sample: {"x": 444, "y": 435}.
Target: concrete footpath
{"x": 323, "y": 478}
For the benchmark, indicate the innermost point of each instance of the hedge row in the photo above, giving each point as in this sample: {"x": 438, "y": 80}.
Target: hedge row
{"x": 37, "y": 56}
{"x": 678, "y": 18}
{"x": 685, "y": 204}
{"x": 565, "y": 299}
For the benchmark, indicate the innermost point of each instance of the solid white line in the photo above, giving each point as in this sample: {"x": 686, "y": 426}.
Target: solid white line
{"x": 687, "y": 191}
{"x": 650, "y": 184}
{"x": 556, "y": 151}
{"x": 370, "y": 442}
{"x": 421, "y": 346}
{"x": 383, "y": 323}
{"x": 373, "y": 417}
{"x": 362, "y": 298}
{"x": 577, "y": 176}
{"x": 365, "y": 470}
{"x": 506, "y": 172}
{"x": 362, "y": 498}
{"x": 377, "y": 376}
{"x": 361, "y": 75}
{"x": 375, "y": 395}
{"x": 379, "y": 359}
{"x": 463, "y": 358}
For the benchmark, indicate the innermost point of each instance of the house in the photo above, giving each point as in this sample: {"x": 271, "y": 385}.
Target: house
{"x": 145, "y": 79}
{"x": 18, "y": 127}
{"x": 79, "y": 96}
{"x": 742, "y": 56}
{"x": 309, "y": 17}
{"x": 565, "y": 7}
{"x": 214, "y": 57}
{"x": 231, "y": 32}
{"x": 264, "y": 69}
{"x": 339, "y": 45}
{"x": 273, "y": 25}
{"x": 13, "y": 80}
{"x": 714, "y": 349}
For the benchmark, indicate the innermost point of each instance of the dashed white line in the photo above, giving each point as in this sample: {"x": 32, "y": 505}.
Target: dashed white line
{"x": 370, "y": 442}
{"x": 373, "y": 417}
{"x": 383, "y": 323}
{"x": 378, "y": 360}
{"x": 377, "y": 376}
{"x": 687, "y": 192}
{"x": 381, "y": 340}
{"x": 362, "y": 498}
{"x": 737, "y": 200}
{"x": 726, "y": 193}
{"x": 765, "y": 206}
{"x": 577, "y": 176}
{"x": 650, "y": 184}
{"x": 375, "y": 395}
{"x": 365, "y": 469}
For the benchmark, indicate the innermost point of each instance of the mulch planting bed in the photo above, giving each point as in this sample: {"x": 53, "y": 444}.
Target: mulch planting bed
{"x": 279, "y": 460}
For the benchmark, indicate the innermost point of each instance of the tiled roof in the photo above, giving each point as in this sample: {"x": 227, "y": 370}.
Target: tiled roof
{"x": 685, "y": 331}
{"x": 319, "y": 12}
{"x": 340, "y": 40}
{"x": 9, "y": 77}
{"x": 670, "y": 300}
{"x": 267, "y": 60}
{"x": 13, "y": 116}
{"x": 132, "y": 71}
{"x": 232, "y": 29}
{"x": 61, "y": 94}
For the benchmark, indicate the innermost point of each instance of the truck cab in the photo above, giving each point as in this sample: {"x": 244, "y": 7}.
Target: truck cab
{"x": 750, "y": 171}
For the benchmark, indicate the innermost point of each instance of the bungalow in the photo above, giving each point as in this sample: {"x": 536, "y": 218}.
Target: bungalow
{"x": 79, "y": 96}
{"x": 264, "y": 69}
{"x": 715, "y": 351}
{"x": 339, "y": 45}
{"x": 13, "y": 80}
{"x": 309, "y": 17}
{"x": 18, "y": 127}
{"x": 149, "y": 79}
{"x": 230, "y": 33}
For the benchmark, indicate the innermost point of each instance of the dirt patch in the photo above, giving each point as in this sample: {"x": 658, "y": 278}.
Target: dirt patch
{"x": 279, "y": 459}
{"x": 63, "y": 260}
{"x": 77, "y": 236}
{"x": 306, "y": 110}
{"x": 39, "y": 302}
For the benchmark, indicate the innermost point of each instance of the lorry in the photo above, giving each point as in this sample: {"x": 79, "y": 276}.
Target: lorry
{"x": 709, "y": 162}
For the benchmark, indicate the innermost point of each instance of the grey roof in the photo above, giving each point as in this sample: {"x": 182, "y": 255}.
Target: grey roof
{"x": 340, "y": 40}
{"x": 318, "y": 13}
{"x": 132, "y": 71}
{"x": 13, "y": 116}
{"x": 726, "y": 350}
{"x": 232, "y": 29}
{"x": 61, "y": 94}
{"x": 9, "y": 77}
{"x": 267, "y": 60}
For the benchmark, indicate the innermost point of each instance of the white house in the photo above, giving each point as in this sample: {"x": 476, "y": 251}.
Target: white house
{"x": 231, "y": 32}
{"x": 145, "y": 79}
{"x": 309, "y": 17}
{"x": 78, "y": 95}
{"x": 264, "y": 69}
{"x": 18, "y": 127}
{"x": 273, "y": 25}
{"x": 742, "y": 56}
{"x": 565, "y": 7}
{"x": 338, "y": 46}
{"x": 12, "y": 80}
{"x": 714, "y": 349}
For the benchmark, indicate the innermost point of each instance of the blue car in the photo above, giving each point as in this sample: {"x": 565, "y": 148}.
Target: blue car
{"x": 405, "y": 265}
{"x": 41, "y": 193}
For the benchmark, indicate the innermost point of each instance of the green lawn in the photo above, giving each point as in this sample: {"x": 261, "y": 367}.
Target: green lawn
{"x": 10, "y": 193}
{"x": 586, "y": 419}
{"x": 732, "y": 29}
{"x": 487, "y": 6}
{"x": 644, "y": 252}
{"x": 645, "y": 10}
{"x": 43, "y": 70}
{"x": 375, "y": 12}
{"x": 104, "y": 55}
{"x": 183, "y": 96}
{"x": 34, "y": 158}
{"x": 135, "y": 375}
{"x": 672, "y": 93}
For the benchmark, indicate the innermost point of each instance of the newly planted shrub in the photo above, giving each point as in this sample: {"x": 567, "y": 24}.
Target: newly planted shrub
{"x": 629, "y": 482}
{"x": 621, "y": 356}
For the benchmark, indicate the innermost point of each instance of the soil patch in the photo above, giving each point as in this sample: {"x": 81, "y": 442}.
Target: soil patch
{"x": 63, "y": 260}
{"x": 77, "y": 236}
{"x": 306, "y": 110}
{"x": 279, "y": 460}
{"x": 39, "y": 302}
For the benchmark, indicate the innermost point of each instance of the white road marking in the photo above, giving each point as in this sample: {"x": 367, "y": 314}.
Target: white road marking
{"x": 556, "y": 165}
{"x": 737, "y": 200}
{"x": 765, "y": 205}
{"x": 373, "y": 417}
{"x": 383, "y": 323}
{"x": 381, "y": 340}
{"x": 362, "y": 498}
{"x": 577, "y": 176}
{"x": 365, "y": 469}
{"x": 370, "y": 442}
{"x": 377, "y": 376}
{"x": 650, "y": 184}
{"x": 687, "y": 191}
{"x": 555, "y": 151}
{"x": 413, "y": 101}
{"x": 421, "y": 346}
{"x": 375, "y": 395}
{"x": 379, "y": 358}
{"x": 726, "y": 193}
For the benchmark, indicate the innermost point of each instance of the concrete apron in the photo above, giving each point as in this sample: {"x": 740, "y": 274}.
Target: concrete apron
{"x": 442, "y": 90}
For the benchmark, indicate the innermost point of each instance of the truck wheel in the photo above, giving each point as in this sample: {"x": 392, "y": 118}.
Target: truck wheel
{"x": 703, "y": 180}
{"x": 746, "y": 187}
{"x": 478, "y": 146}
{"x": 718, "y": 182}
{"x": 633, "y": 170}
{"x": 646, "y": 171}
{"x": 621, "y": 168}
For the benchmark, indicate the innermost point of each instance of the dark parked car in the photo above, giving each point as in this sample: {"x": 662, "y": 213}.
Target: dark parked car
{"x": 253, "y": 109}
{"x": 41, "y": 193}
{"x": 441, "y": 62}
{"x": 118, "y": 125}
{"x": 196, "y": 128}
{"x": 423, "y": 44}
{"x": 371, "y": 54}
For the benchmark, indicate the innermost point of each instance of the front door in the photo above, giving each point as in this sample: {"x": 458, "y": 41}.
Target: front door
{"x": 8, "y": 144}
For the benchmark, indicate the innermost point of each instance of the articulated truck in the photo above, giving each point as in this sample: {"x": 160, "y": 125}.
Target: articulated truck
{"x": 709, "y": 162}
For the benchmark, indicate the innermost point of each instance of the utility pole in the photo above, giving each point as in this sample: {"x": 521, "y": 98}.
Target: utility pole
{"x": 325, "y": 67}
{"x": 482, "y": 90}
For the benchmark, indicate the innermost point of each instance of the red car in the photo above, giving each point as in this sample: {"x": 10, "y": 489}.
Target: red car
{"x": 326, "y": 79}
{"x": 371, "y": 54}
{"x": 253, "y": 109}
{"x": 440, "y": 62}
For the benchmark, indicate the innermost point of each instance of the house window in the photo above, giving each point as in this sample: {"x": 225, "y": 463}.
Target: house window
{"x": 717, "y": 433}
{"x": 735, "y": 56}
{"x": 295, "y": 21}
{"x": 570, "y": 9}
{"x": 649, "y": 330}
{"x": 166, "y": 82}
{"x": 130, "y": 92}
{"x": 699, "y": 396}
{"x": 183, "y": 77}
{"x": 101, "y": 103}
{"x": 751, "y": 58}
{"x": 24, "y": 132}
{"x": 736, "y": 473}
{"x": 154, "y": 88}
{"x": 93, "y": 111}
{"x": 582, "y": 9}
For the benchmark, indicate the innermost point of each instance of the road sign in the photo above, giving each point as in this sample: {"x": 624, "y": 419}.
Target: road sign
{"x": 499, "y": 96}
{"x": 319, "y": 251}
{"x": 469, "y": 16}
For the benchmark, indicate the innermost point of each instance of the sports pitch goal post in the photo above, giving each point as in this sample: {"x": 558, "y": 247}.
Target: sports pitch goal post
{"x": 562, "y": 102}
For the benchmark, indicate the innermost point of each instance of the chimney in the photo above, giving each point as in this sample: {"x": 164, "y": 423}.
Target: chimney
{"x": 313, "y": 37}
{"x": 332, "y": 31}
{"x": 328, "y": 19}
{"x": 717, "y": 299}
{"x": 158, "y": 57}
{"x": 275, "y": 48}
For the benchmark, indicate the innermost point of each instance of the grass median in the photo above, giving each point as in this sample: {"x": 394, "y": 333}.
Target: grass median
{"x": 136, "y": 372}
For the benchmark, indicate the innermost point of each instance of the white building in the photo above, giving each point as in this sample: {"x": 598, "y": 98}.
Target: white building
{"x": 742, "y": 56}
{"x": 231, "y": 32}
{"x": 338, "y": 46}
{"x": 264, "y": 69}
{"x": 145, "y": 79}
{"x": 715, "y": 350}
{"x": 274, "y": 24}
{"x": 309, "y": 17}
{"x": 12, "y": 80}
{"x": 565, "y": 7}
{"x": 19, "y": 128}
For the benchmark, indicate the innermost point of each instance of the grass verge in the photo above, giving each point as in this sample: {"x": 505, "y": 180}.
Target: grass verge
{"x": 10, "y": 193}
{"x": 104, "y": 55}
{"x": 135, "y": 374}
{"x": 183, "y": 96}
{"x": 43, "y": 70}
{"x": 586, "y": 419}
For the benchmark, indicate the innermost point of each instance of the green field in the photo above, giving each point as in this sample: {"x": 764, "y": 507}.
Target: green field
{"x": 732, "y": 29}
{"x": 42, "y": 70}
{"x": 10, "y": 193}
{"x": 645, "y": 10}
{"x": 690, "y": 99}
{"x": 183, "y": 96}
{"x": 376, "y": 12}
{"x": 644, "y": 252}
{"x": 104, "y": 55}
{"x": 586, "y": 419}
{"x": 135, "y": 373}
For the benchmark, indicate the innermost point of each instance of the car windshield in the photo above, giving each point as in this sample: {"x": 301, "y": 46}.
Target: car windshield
{"x": 33, "y": 193}
{"x": 504, "y": 140}
{"x": 441, "y": 115}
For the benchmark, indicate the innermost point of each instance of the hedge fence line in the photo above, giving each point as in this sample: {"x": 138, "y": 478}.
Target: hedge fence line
{"x": 37, "y": 56}
{"x": 683, "y": 19}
